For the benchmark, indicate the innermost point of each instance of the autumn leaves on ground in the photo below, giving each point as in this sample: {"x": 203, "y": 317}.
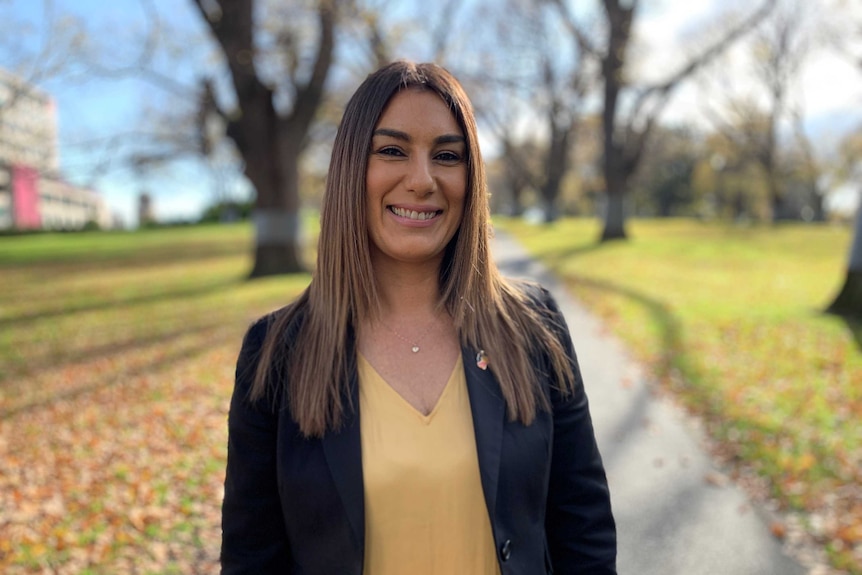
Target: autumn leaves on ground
{"x": 117, "y": 353}
{"x": 116, "y": 367}
{"x": 729, "y": 320}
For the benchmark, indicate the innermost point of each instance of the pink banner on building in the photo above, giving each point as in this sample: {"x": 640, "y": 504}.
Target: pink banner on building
{"x": 25, "y": 198}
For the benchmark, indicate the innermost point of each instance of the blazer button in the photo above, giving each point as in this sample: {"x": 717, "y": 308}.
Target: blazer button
{"x": 506, "y": 550}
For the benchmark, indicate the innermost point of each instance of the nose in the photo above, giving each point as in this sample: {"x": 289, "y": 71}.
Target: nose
{"x": 420, "y": 178}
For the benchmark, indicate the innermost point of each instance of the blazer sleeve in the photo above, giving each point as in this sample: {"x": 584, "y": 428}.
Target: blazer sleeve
{"x": 579, "y": 524}
{"x": 254, "y": 540}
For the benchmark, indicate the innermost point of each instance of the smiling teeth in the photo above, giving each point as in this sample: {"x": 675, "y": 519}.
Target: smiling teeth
{"x": 412, "y": 214}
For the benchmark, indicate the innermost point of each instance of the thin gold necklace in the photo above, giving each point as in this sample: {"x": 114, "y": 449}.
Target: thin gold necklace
{"x": 414, "y": 345}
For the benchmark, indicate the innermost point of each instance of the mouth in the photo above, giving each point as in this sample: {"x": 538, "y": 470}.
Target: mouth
{"x": 419, "y": 216}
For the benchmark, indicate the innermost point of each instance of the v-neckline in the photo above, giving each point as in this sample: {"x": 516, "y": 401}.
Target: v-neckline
{"x": 424, "y": 418}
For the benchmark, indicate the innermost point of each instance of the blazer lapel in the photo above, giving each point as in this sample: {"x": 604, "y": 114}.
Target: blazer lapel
{"x": 343, "y": 451}
{"x": 489, "y": 414}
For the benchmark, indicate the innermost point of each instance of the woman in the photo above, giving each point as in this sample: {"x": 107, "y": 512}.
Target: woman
{"x": 412, "y": 411}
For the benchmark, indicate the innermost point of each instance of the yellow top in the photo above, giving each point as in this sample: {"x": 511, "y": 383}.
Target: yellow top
{"x": 425, "y": 510}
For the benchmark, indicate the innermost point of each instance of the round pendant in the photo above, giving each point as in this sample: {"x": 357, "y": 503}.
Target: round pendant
{"x": 415, "y": 349}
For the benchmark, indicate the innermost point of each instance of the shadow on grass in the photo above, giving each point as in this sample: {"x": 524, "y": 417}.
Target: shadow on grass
{"x": 122, "y": 259}
{"x": 52, "y": 360}
{"x": 854, "y": 326}
{"x": 673, "y": 348}
{"x": 553, "y": 259}
{"x": 176, "y": 356}
{"x": 673, "y": 357}
{"x": 188, "y": 292}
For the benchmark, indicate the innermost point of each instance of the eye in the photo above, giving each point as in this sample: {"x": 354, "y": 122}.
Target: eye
{"x": 448, "y": 157}
{"x": 390, "y": 151}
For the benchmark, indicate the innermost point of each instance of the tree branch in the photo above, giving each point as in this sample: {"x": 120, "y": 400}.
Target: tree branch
{"x": 712, "y": 52}
{"x": 308, "y": 96}
{"x": 659, "y": 94}
{"x": 581, "y": 38}
{"x": 442, "y": 29}
{"x": 232, "y": 24}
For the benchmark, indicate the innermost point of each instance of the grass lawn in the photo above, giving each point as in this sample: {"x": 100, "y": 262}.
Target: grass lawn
{"x": 729, "y": 319}
{"x": 117, "y": 353}
{"x": 116, "y": 367}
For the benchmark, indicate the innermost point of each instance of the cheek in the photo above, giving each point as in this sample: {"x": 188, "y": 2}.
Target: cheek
{"x": 376, "y": 178}
{"x": 456, "y": 184}
{"x": 370, "y": 185}
{"x": 458, "y": 191}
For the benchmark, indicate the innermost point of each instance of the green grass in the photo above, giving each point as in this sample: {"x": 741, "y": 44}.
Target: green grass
{"x": 116, "y": 367}
{"x": 730, "y": 319}
{"x": 117, "y": 353}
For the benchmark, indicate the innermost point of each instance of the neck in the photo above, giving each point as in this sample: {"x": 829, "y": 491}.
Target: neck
{"x": 408, "y": 316}
{"x": 408, "y": 292}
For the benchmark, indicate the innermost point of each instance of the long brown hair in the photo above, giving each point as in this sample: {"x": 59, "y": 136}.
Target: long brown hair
{"x": 309, "y": 349}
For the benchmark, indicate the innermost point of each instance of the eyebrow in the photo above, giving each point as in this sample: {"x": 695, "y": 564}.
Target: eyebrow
{"x": 403, "y": 136}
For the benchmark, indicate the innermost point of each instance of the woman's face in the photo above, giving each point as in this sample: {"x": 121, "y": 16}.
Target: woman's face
{"x": 416, "y": 179}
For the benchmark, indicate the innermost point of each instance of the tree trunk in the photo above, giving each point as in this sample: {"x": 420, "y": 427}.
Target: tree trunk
{"x": 613, "y": 163}
{"x": 276, "y": 213}
{"x": 556, "y": 166}
{"x": 270, "y": 143}
{"x": 615, "y": 212}
{"x": 848, "y": 302}
{"x": 274, "y": 259}
{"x": 624, "y": 145}
{"x": 818, "y": 208}
{"x": 776, "y": 196}
{"x": 277, "y": 241}
{"x": 515, "y": 177}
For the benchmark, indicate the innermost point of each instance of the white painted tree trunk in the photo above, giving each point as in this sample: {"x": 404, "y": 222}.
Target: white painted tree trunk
{"x": 848, "y": 302}
{"x": 855, "y": 264}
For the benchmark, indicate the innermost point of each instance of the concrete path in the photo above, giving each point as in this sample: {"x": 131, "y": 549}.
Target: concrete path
{"x": 673, "y": 517}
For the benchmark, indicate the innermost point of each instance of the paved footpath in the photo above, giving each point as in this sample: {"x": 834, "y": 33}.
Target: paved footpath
{"x": 673, "y": 517}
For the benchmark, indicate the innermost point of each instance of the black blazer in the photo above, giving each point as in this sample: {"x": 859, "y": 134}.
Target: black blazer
{"x": 294, "y": 505}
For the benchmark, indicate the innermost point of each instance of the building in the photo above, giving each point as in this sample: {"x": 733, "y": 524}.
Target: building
{"x": 28, "y": 126}
{"x": 33, "y": 194}
{"x": 146, "y": 213}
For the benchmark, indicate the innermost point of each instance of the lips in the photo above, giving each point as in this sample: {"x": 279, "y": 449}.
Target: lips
{"x": 419, "y": 216}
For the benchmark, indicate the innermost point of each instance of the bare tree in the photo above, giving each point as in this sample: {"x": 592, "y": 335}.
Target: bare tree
{"x": 747, "y": 132}
{"x": 374, "y": 37}
{"x": 66, "y": 51}
{"x": 848, "y": 301}
{"x": 532, "y": 73}
{"x": 754, "y": 122}
{"x": 779, "y": 50}
{"x": 269, "y": 133}
{"x": 663, "y": 186}
{"x": 563, "y": 112}
{"x": 55, "y": 53}
{"x": 32, "y": 55}
{"x": 378, "y": 34}
{"x": 625, "y": 136}
{"x": 810, "y": 170}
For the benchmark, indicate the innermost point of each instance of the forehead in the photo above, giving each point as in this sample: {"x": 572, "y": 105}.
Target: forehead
{"x": 419, "y": 109}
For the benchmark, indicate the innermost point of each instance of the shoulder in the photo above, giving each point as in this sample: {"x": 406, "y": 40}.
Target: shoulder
{"x": 538, "y": 300}
{"x": 555, "y": 337}
{"x": 282, "y": 323}
{"x": 274, "y": 331}
{"x": 531, "y": 291}
{"x": 256, "y": 335}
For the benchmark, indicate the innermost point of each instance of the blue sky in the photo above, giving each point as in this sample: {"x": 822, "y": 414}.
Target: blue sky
{"x": 93, "y": 108}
